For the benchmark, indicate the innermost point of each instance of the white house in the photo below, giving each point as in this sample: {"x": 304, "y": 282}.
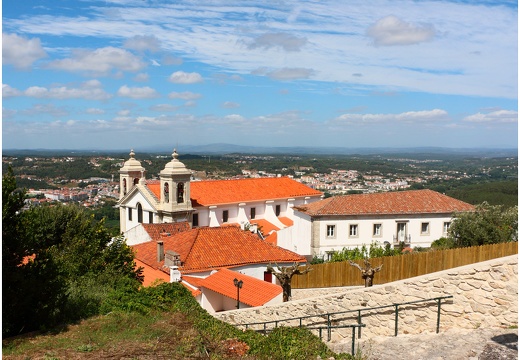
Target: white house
{"x": 176, "y": 198}
{"x": 416, "y": 218}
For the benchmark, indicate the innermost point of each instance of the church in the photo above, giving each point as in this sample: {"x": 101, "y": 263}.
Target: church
{"x": 175, "y": 197}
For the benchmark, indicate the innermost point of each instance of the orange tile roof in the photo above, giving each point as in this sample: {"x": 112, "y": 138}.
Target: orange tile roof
{"x": 254, "y": 292}
{"x": 205, "y": 248}
{"x": 150, "y": 274}
{"x": 265, "y": 226}
{"x": 286, "y": 221}
{"x": 214, "y": 192}
{"x": 395, "y": 203}
{"x": 155, "y": 230}
{"x": 272, "y": 238}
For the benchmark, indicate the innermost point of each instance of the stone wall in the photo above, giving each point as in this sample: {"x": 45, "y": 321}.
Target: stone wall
{"x": 485, "y": 294}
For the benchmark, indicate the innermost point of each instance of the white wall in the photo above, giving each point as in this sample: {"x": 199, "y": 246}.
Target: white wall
{"x": 137, "y": 235}
{"x": 343, "y": 239}
{"x": 132, "y": 203}
{"x": 297, "y": 238}
{"x": 241, "y": 212}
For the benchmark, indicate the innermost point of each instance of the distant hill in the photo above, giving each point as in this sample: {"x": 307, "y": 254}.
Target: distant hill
{"x": 221, "y": 149}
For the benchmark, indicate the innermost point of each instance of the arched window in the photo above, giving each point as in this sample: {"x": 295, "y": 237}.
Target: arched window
{"x": 136, "y": 181}
{"x": 139, "y": 213}
{"x": 124, "y": 186}
{"x": 166, "y": 192}
{"x": 180, "y": 193}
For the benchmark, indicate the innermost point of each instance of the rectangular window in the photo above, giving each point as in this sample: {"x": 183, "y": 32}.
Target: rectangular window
{"x": 195, "y": 221}
{"x": 150, "y": 217}
{"x": 425, "y": 228}
{"x": 331, "y": 230}
{"x": 446, "y": 227}
{"x": 353, "y": 230}
{"x": 377, "y": 229}
{"x": 277, "y": 211}
{"x": 253, "y": 213}
{"x": 130, "y": 214}
{"x": 225, "y": 216}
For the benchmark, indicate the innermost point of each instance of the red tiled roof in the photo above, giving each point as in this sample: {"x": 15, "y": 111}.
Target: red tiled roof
{"x": 155, "y": 187}
{"x": 205, "y": 249}
{"x": 400, "y": 202}
{"x": 272, "y": 238}
{"x": 254, "y": 292}
{"x": 155, "y": 230}
{"x": 213, "y": 192}
{"x": 265, "y": 226}
{"x": 286, "y": 221}
{"x": 150, "y": 274}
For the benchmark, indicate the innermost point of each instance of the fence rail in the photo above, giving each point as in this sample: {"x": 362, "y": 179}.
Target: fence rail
{"x": 333, "y": 320}
{"x": 401, "y": 267}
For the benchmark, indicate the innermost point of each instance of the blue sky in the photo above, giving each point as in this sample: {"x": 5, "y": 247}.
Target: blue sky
{"x": 121, "y": 74}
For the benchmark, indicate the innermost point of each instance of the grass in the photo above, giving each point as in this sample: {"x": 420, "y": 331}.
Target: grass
{"x": 184, "y": 331}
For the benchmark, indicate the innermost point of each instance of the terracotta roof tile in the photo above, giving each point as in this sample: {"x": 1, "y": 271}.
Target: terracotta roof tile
{"x": 254, "y": 292}
{"x": 150, "y": 274}
{"x": 286, "y": 221}
{"x": 265, "y": 226}
{"x": 214, "y": 192}
{"x": 205, "y": 249}
{"x": 155, "y": 230}
{"x": 400, "y": 202}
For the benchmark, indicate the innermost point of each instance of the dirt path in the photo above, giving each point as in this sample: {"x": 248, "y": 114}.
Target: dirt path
{"x": 453, "y": 344}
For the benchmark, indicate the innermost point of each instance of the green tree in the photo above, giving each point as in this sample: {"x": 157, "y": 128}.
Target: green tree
{"x": 32, "y": 284}
{"x": 58, "y": 263}
{"x": 488, "y": 224}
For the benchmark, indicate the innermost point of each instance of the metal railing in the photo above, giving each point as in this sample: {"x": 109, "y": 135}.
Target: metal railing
{"x": 331, "y": 321}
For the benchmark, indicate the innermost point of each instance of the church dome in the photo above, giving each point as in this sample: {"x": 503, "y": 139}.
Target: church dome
{"x": 175, "y": 166}
{"x": 132, "y": 164}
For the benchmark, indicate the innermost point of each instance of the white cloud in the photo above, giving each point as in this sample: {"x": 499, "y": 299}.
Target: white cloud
{"x": 164, "y": 108}
{"x": 89, "y": 90}
{"x": 123, "y": 112}
{"x": 143, "y": 43}
{"x": 430, "y": 117}
{"x": 8, "y": 113}
{"x": 284, "y": 41}
{"x": 8, "y": 91}
{"x": 171, "y": 60}
{"x": 186, "y": 95}
{"x": 500, "y": 116}
{"x": 95, "y": 111}
{"x": 181, "y": 77}
{"x": 38, "y": 109}
{"x": 230, "y": 105}
{"x": 290, "y": 74}
{"x": 102, "y": 61}
{"x": 142, "y": 77}
{"x": 391, "y": 30}
{"x": 20, "y": 51}
{"x": 137, "y": 92}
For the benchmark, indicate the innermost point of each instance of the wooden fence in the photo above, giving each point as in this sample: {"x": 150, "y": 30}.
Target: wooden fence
{"x": 400, "y": 267}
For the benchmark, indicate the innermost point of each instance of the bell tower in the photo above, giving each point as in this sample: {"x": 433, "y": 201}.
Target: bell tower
{"x": 130, "y": 174}
{"x": 175, "y": 191}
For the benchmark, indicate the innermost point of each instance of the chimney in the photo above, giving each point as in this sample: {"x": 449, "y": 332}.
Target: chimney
{"x": 160, "y": 251}
{"x": 175, "y": 274}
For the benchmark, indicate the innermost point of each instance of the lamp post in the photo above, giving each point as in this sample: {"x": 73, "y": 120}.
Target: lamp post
{"x": 238, "y": 284}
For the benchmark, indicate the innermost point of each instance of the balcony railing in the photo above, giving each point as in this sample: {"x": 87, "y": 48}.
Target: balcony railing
{"x": 407, "y": 239}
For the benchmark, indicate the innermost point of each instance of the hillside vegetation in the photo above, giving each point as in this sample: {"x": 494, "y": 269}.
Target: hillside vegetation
{"x": 163, "y": 322}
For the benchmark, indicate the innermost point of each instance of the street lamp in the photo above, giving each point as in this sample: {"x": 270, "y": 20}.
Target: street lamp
{"x": 238, "y": 284}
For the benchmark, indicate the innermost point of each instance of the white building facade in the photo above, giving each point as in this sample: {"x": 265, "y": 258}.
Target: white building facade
{"x": 414, "y": 218}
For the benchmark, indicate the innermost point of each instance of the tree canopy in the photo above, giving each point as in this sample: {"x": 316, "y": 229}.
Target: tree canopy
{"x": 58, "y": 263}
{"x": 488, "y": 224}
